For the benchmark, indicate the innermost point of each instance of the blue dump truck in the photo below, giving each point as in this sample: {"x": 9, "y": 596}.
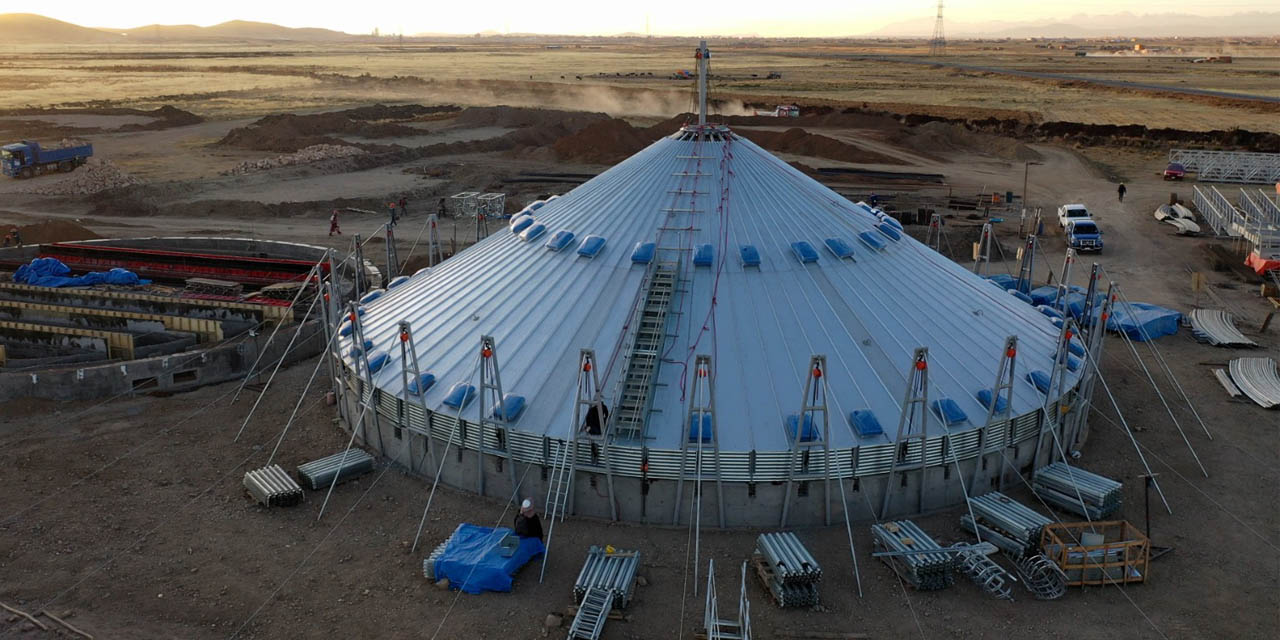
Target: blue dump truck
{"x": 26, "y": 159}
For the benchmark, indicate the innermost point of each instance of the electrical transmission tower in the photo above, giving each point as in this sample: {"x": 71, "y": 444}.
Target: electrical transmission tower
{"x": 938, "y": 43}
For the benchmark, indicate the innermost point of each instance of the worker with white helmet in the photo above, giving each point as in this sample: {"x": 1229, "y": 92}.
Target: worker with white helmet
{"x": 527, "y": 524}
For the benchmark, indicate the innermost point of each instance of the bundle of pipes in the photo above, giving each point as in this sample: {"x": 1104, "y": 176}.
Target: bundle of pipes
{"x": 1258, "y": 379}
{"x": 913, "y": 562}
{"x": 429, "y": 563}
{"x": 613, "y": 570}
{"x": 319, "y": 474}
{"x": 1009, "y": 519}
{"x": 984, "y": 571}
{"x": 1064, "y": 486}
{"x": 795, "y": 595}
{"x": 791, "y": 562}
{"x": 272, "y": 487}
{"x": 1217, "y": 328}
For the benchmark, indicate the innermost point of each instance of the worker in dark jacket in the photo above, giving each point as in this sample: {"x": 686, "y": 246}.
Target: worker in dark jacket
{"x": 527, "y": 523}
{"x": 1120, "y": 191}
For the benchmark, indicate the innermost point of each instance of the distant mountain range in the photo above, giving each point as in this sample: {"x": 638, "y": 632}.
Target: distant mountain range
{"x": 1095, "y": 26}
{"x": 29, "y": 28}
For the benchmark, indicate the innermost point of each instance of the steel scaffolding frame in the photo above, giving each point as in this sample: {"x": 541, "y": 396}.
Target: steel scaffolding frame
{"x": 1229, "y": 166}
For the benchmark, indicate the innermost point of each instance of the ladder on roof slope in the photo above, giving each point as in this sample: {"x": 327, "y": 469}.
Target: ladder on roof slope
{"x": 636, "y": 394}
{"x": 588, "y": 624}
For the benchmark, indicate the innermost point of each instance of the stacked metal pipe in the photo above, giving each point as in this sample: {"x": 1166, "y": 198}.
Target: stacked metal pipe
{"x": 1010, "y": 519}
{"x": 1064, "y": 487}
{"x": 429, "y": 563}
{"x": 614, "y": 571}
{"x": 1258, "y": 379}
{"x": 791, "y": 562}
{"x": 272, "y": 487}
{"x": 1217, "y": 328}
{"x": 925, "y": 571}
{"x": 319, "y": 474}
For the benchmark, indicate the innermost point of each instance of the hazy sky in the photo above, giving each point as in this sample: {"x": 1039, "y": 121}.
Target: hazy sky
{"x": 667, "y": 17}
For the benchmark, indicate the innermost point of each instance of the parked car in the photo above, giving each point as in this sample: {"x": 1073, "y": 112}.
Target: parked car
{"x": 1069, "y": 212}
{"x": 1174, "y": 171}
{"x": 1084, "y": 235}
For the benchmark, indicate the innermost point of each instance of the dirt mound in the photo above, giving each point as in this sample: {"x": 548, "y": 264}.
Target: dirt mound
{"x": 55, "y": 231}
{"x": 520, "y": 117}
{"x": 289, "y": 132}
{"x": 399, "y": 112}
{"x": 802, "y": 143}
{"x": 306, "y": 155}
{"x": 935, "y": 137}
{"x": 95, "y": 176}
{"x": 604, "y": 142}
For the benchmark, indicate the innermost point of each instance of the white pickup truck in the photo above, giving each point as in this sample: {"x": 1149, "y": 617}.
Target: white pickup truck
{"x": 1072, "y": 212}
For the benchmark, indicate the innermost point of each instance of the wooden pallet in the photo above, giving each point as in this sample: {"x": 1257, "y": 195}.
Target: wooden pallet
{"x": 764, "y": 574}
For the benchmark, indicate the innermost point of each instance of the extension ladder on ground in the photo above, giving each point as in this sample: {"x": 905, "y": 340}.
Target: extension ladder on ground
{"x": 592, "y": 613}
{"x": 721, "y": 629}
{"x": 646, "y": 349}
{"x": 559, "y": 486}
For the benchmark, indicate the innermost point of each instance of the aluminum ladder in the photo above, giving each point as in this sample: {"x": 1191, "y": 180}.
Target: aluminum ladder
{"x": 592, "y": 613}
{"x": 633, "y": 403}
{"x": 558, "y": 489}
{"x": 718, "y": 628}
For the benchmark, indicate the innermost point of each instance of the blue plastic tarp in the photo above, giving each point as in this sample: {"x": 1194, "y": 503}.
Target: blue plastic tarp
{"x": 1142, "y": 322}
{"x": 1004, "y": 280}
{"x": 865, "y": 422}
{"x": 475, "y": 560}
{"x": 51, "y": 272}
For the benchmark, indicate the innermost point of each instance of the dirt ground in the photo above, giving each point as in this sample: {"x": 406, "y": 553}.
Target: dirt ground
{"x": 128, "y": 518}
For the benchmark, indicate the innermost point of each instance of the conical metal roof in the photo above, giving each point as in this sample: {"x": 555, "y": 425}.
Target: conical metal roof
{"x": 760, "y": 324}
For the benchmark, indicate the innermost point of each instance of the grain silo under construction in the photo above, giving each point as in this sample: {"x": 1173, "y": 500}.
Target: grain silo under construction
{"x": 705, "y": 324}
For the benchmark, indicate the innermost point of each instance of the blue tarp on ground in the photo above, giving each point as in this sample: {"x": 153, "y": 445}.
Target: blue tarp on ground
{"x": 1145, "y": 322}
{"x": 474, "y": 559}
{"x": 1003, "y": 279}
{"x": 50, "y": 272}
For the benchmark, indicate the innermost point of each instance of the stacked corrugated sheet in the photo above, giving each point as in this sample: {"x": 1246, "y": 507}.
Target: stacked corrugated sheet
{"x": 429, "y": 563}
{"x": 1006, "y": 523}
{"x": 272, "y": 487}
{"x": 923, "y": 570}
{"x": 1258, "y": 379}
{"x": 1064, "y": 486}
{"x": 1217, "y": 328}
{"x": 319, "y": 474}
{"x": 794, "y": 572}
{"x": 614, "y": 571}
{"x": 1224, "y": 379}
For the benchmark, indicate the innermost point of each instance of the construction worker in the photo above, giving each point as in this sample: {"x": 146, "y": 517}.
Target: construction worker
{"x": 17, "y": 237}
{"x": 527, "y": 524}
{"x": 333, "y": 223}
{"x": 875, "y": 200}
{"x": 404, "y": 206}
{"x": 391, "y": 210}
{"x": 1120, "y": 191}
{"x": 443, "y": 209}
{"x": 8, "y": 239}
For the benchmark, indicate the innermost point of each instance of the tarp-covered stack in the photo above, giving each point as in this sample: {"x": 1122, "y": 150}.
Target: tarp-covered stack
{"x": 475, "y": 558}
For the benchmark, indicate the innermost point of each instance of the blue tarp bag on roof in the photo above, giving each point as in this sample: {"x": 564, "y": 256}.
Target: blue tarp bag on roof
{"x": 984, "y": 397}
{"x": 839, "y": 248}
{"x": 424, "y": 382}
{"x": 643, "y": 253}
{"x": 704, "y": 432}
{"x": 345, "y": 329}
{"x": 1040, "y": 380}
{"x": 1004, "y": 280}
{"x": 460, "y": 394}
{"x": 872, "y": 240}
{"x": 704, "y": 256}
{"x": 949, "y": 411}
{"x": 750, "y": 255}
{"x": 512, "y": 406}
{"x": 1043, "y": 295}
{"x": 1144, "y": 322}
{"x": 1021, "y": 296}
{"x": 521, "y": 223}
{"x": 475, "y": 561}
{"x": 371, "y": 296}
{"x": 51, "y": 272}
{"x": 378, "y": 360}
{"x": 397, "y": 281}
{"x": 356, "y": 351}
{"x": 810, "y": 431}
{"x": 888, "y": 230}
{"x": 1048, "y": 311}
{"x": 865, "y": 422}
{"x": 804, "y": 251}
{"x": 591, "y": 246}
{"x": 559, "y": 240}
{"x": 536, "y": 229}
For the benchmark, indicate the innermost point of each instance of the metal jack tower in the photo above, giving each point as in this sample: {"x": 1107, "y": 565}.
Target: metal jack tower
{"x": 703, "y": 435}
{"x": 418, "y": 387}
{"x": 811, "y": 434}
{"x": 938, "y": 43}
{"x": 982, "y": 251}
{"x": 914, "y": 403}
{"x": 933, "y": 237}
{"x": 1028, "y": 260}
{"x": 393, "y": 261}
{"x": 434, "y": 255}
{"x": 1053, "y": 421}
{"x": 1001, "y": 391}
{"x": 493, "y": 408}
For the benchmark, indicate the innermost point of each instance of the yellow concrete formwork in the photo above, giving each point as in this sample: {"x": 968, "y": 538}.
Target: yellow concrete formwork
{"x": 270, "y": 313}
{"x": 119, "y": 345}
{"x": 205, "y": 330}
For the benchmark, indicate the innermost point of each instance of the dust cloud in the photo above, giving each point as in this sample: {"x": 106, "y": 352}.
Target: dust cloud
{"x": 615, "y": 101}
